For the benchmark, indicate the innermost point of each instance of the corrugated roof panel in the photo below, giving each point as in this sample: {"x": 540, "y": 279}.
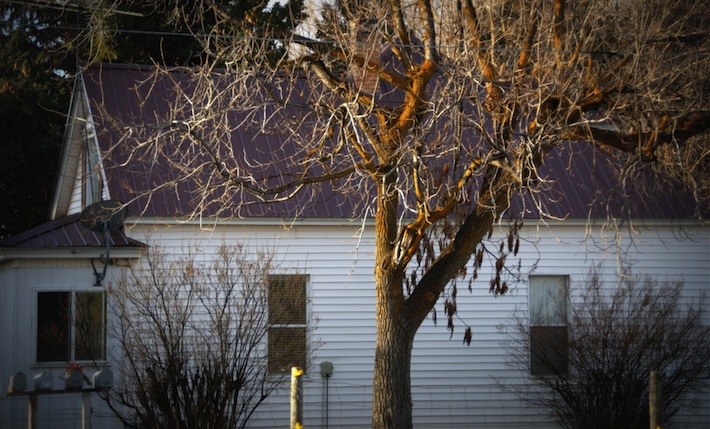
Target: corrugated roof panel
{"x": 582, "y": 181}
{"x": 65, "y": 232}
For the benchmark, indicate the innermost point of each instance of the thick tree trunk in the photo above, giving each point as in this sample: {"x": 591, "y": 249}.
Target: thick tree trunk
{"x": 392, "y": 396}
{"x": 398, "y": 319}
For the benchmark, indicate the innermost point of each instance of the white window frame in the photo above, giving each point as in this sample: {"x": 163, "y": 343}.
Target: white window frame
{"x": 548, "y": 316}
{"x": 303, "y": 326}
{"x": 72, "y": 346}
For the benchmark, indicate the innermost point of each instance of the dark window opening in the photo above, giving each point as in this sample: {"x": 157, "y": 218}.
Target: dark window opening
{"x": 287, "y": 319}
{"x": 71, "y": 326}
{"x": 548, "y": 350}
{"x": 548, "y": 325}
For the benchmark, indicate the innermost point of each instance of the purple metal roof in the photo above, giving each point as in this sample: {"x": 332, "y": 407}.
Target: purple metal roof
{"x": 121, "y": 91}
{"x": 66, "y": 232}
{"x": 583, "y": 182}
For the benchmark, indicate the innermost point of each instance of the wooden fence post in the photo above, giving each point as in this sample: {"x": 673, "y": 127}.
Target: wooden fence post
{"x": 296, "y": 398}
{"x": 655, "y": 400}
{"x": 85, "y": 410}
{"x": 32, "y": 412}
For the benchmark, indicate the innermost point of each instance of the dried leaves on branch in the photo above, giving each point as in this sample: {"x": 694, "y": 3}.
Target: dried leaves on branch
{"x": 433, "y": 113}
{"x": 434, "y": 117}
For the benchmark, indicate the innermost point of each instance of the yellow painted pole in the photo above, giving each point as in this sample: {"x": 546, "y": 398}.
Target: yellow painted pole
{"x": 655, "y": 400}
{"x": 296, "y": 398}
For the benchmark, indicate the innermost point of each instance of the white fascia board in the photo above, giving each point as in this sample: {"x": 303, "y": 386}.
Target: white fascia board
{"x": 9, "y": 254}
{"x": 71, "y": 151}
{"x": 651, "y": 222}
{"x": 286, "y": 223}
{"x": 93, "y": 139}
{"x": 209, "y": 223}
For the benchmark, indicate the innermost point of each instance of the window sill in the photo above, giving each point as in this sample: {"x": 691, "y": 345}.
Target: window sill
{"x": 91, "y": 364}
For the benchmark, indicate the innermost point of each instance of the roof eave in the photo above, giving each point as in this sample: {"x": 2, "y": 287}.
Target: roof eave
{"x": 71, "y": 151}
{"x": 10, "y": 254}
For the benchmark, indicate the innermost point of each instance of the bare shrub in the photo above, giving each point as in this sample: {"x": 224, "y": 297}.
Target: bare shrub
{"x": 617, "y": 335}
{"x": 193, "y": 340}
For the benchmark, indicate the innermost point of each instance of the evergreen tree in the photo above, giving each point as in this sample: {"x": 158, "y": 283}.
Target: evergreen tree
{"x": 43, "y": 45}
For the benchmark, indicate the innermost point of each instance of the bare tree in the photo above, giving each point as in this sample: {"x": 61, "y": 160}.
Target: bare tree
{"x": 193, "y": 350}
{"x": 617, "y": 334}
{"x": 437, "y": 114}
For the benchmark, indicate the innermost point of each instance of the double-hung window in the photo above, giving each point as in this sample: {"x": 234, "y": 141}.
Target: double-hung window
{"x": 71, "y": 326}
{"x": 548, "y": 325}
{"x": 287, "y": 322}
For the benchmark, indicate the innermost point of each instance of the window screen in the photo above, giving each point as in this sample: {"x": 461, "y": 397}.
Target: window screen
{"x": 287, "y": 317}
{"x": 548, "y": 325}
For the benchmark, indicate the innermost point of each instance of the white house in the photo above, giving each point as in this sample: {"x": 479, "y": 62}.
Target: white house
{"x": 453, "y": 386}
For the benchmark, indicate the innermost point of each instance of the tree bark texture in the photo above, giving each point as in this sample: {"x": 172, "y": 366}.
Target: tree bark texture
{"x": 399, "y": 317}
{"x": 392, "y": 397}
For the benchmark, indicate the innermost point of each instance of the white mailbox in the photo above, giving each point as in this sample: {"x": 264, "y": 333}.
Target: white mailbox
{"x": 103, "y": 378}
{"x": 17, "y": 383}
{"x": 44, "y": 381}
{"x": 73, "y": 380}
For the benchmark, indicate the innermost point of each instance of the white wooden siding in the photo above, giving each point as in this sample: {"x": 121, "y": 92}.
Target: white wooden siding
{"x": 453, "y": 385}
{"x": 75, "y": 202}
{"x": 19, "y": 284}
